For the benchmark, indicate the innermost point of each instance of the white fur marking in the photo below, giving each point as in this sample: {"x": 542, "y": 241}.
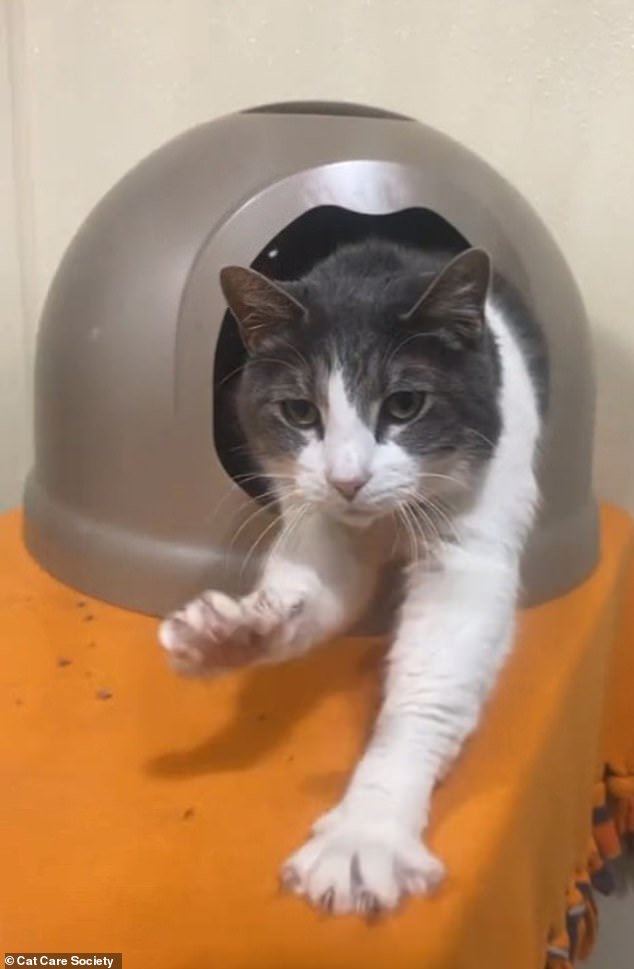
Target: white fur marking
{"x": 348, "y": 442}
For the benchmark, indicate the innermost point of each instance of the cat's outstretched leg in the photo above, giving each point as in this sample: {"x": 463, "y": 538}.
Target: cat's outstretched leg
{"x": 455, "y": 631}
{"x": 316, "y": 585}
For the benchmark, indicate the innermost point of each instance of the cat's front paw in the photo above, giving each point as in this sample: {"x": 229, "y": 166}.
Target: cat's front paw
{"x": 210, "y": 635}
{"x": 353, "y": 864}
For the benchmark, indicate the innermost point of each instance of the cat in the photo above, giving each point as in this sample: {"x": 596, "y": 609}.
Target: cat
{"x": 389, "y": 392}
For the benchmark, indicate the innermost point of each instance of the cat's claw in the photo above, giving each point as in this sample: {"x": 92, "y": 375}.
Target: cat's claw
{"x": 210, "y": 635}
{"x": 359, "y": 866}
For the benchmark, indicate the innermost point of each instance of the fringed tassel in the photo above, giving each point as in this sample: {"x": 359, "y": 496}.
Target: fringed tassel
{"x": 606, "y": 844}
{"x": 612, "y": 824}
{"x": 576, "y": 939}
{"x": 558, "y": 951}
{"x": 620, "y": 788}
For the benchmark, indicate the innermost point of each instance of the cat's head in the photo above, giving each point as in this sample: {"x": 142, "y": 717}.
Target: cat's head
{"x": 370, "y": 385}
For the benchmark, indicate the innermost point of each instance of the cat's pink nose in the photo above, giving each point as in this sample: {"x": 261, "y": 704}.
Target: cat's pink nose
{"x": 348, "y": 487}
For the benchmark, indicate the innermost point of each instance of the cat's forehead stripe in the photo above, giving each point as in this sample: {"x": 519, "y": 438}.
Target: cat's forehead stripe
{"x": 348, "y": 441}
{"x": 342, "y": 412}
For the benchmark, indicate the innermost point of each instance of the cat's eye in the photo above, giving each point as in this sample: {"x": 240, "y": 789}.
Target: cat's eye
{"x": 404, "y": 405}
{"x": 301, "y": 413}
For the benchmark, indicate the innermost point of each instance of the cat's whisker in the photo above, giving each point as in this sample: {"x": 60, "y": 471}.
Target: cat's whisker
{"x": 413, "y": 537}
{"x": 278, "y": 483}
{"x": 287, "y": 521}
{"x": 218, "y": 507}
{"x": 300, "y": 356}
{"x": 422, "y": 505}
{"x": 286, "y": 495}
{"x": 271, "y": 475}
{"x": 395, "y": 517}
{"x": 265, "y": 509}
{"x": 392, "y": 351}
{"x": 230, "y": 493}
{"x": 285, "y": 363}
{"x": 209, "y": 518}
{"x": 240, "y": 448}
{"x": 288, "y": 515}
{"x": 270, "y": 496}
{"x": 401, "y": 522}
{"x": 417, "y": 512}
{"x": 443, "y": 477}
{"x": 483, "y": 437}
{"x": 272, "y": 524}
{"x": 436, "y": 537}
{"x": 427, "y": 530}
{"x": 231, "y": 490}
{"x": 228, "y": 376}
{"x": 417, "y": 535}
{"x": 446, "y": 529}
{"x": 434, "y": 505}
{"x": 289, "y": 529}
{"x": 436, "y": 508}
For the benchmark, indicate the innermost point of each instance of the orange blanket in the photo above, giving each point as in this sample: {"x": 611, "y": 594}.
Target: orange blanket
{"x": 148, "y": 815}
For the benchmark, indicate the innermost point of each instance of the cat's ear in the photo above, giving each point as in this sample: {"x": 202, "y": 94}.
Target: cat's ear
{"x": 258, "y": 304}
{"x": 453, "y": 305}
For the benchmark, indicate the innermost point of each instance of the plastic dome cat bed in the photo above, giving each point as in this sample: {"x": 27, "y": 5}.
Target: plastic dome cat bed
{"x": 131, "y": 498}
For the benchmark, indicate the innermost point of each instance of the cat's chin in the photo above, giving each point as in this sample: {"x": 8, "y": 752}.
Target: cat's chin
{"x": 354, "y": 517}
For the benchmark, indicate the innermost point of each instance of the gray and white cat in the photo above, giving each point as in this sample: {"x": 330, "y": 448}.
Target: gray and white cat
{"x": 388, "y": 392}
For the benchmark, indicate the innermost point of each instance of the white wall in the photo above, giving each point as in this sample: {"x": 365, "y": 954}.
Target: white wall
{"x": 14, "y": 356}
{"x": 543, "y": 90}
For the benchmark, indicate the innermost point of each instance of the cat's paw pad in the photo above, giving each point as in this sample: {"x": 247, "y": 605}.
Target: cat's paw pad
{"x": 209, "y": 635}
{"x": 363, "y": 867}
